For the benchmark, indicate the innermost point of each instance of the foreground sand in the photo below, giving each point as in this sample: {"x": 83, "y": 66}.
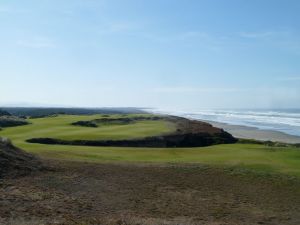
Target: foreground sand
{"x": 81, "y": 193}
{"x": 257, "y": 134}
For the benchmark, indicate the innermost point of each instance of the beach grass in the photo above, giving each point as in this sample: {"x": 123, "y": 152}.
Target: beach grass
{"x": 254, "y": 157}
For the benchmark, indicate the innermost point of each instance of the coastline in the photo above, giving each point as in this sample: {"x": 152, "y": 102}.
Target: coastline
{"x": 240, "y": 131}
{"x": 246, "y": 132}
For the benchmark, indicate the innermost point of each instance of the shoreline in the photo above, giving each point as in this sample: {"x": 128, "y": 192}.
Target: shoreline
{"x": 246, "y": 132}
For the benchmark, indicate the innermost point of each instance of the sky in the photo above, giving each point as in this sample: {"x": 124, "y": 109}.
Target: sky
{"x": 167, "y": 54}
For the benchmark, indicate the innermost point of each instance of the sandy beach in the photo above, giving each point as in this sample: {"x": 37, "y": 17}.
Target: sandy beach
{"x": 257, "y": 134}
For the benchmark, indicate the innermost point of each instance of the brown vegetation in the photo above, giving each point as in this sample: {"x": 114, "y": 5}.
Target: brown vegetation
{"x": 14, "y": 161}
{"x": 79, "y": 193}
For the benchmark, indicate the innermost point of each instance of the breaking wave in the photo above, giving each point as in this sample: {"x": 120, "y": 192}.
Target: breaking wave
{"x": 287, "y": 121}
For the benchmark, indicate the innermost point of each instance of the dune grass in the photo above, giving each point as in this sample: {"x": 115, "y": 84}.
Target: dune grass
{"x": 256, "y": 157}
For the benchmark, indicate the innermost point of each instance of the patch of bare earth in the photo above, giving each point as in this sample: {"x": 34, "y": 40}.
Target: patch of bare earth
{"x": 81, "y": 193}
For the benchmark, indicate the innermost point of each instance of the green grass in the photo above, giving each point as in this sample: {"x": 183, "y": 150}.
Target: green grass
{"x": 60, "y": 127}
{"x": 256, "y": 157}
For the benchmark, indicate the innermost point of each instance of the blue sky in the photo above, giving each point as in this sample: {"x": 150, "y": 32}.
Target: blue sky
{"x": 170, "y": 54}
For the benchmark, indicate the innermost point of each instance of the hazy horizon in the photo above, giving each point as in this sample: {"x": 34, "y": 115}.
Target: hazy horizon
{"x": 158, "y": 54}
{"x": 162, "y": 109}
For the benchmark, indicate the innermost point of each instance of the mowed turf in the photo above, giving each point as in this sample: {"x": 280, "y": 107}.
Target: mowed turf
{"x": 253, "y": 157}
{"x": 60, "y": 127}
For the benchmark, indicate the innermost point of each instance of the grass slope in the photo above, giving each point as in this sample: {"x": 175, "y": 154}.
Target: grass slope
{"x": 60, "y": 127}
{"x": 255, "y": 157}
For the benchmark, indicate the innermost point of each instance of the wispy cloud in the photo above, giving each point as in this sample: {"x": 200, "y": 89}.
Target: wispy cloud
{"x": 122, "y": 26}
{"x": 181, "y": 36}
{"x": 188, "y": 39}
{"x": 292, "y": 78}
{"x": 196, "y": 90}
{"x": 257, "y": 35}
{"x": 287, "y": 40}
{"x": 119, "y": 27}
{"x": 141, "y": 30}
{"x": 268, "y": 34}
{"x": 37, "y": 42}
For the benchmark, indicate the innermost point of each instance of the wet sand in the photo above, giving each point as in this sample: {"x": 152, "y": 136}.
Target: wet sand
{"x": 257, "y": 134}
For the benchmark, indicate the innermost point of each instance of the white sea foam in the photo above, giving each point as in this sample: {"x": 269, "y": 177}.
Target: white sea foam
{"x": 287, "y": 121}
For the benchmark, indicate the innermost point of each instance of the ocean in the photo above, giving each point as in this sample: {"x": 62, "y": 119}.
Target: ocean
{"x": 286, "y": 121}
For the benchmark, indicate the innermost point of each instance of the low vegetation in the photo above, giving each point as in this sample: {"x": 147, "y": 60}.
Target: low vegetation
{"x": 11, "y": 121}
{"x": 45, "y": 112}
{"x": 268, "y": 143}
{"x": 131, "y": 194}
{"x": 187, "y": 134}
{"x": 14, "y": 161}
{"x": 4, "y": 113}
{"x": 242, "y": 183}
{"x": 8, "y": 120}
{"x": 124, "y": 120}
{"x": 249, "y": 156}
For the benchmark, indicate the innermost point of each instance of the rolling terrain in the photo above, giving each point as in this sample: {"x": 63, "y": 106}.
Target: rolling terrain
{"x": 241, "y": 183}
{"x": 257, "y": 157}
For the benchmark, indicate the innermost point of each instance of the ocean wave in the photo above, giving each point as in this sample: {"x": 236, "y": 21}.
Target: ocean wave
{"x": 279, "y": 120}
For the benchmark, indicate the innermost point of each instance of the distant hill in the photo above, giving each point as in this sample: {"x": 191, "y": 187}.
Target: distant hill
{"x": 42, "y": 112}
{"x": 7, "y": 120}
{"x": 11, "y": 121}
{"x": 4, "y": 113}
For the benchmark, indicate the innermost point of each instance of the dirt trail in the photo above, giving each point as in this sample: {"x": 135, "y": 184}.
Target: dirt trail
{"x": 81, "y": 193}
